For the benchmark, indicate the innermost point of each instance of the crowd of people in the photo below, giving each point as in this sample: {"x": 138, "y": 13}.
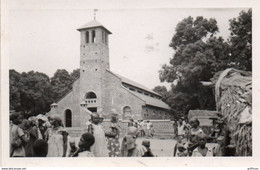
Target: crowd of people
{"x": 191, "y": 140}
{"x": 43, "y": 136}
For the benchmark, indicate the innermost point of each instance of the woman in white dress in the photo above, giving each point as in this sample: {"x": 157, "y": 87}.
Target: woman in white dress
{"x": 99, "y": 148}
{"x": 57, "y": 138}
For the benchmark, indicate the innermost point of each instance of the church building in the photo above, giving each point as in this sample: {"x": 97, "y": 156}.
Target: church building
{"x": 100, "y": 90}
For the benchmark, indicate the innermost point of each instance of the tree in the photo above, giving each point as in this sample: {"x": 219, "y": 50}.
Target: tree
{"x": 241, "y": 41}
{"x": 162, "y": 90}
{"x": 30, "y": 92}
{"x": 198, "y": 55}
{"x": 75, "y": 74}
{"x": 61, "y": 84}
{"x": 14, "y": 94}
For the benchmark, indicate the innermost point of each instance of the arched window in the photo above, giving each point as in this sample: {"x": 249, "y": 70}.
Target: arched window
{"x": 93, "y": 36}
{"x": 68, "y": 118}
{"x": 91, "y": 95}
{"x": 127, "y": 112}
{"x": 87, "y": 37}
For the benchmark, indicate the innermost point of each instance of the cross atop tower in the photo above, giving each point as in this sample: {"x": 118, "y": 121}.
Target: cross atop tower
{"x": 95, "y": 10}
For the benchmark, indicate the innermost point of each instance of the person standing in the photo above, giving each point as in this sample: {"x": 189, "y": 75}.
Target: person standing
{"x": 57, "y": 139}
{"x": 17, "y": 137}
{"x": 175, "y": 128}
{"x": 113, "y": 137}
{"x": 42, "y": 128}
{"x": 181, "y": 128}
{"x": 149, "y": 127}
{"x": 142, "y": 127}
{"x": 32, "y": 132}
{"x": 99, "y": 148}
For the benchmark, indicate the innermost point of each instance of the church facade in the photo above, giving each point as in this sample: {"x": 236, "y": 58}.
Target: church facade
{"x": 100, "y": 90}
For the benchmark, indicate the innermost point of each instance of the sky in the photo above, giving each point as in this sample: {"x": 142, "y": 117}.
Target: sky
{"x": 45, "y": 39}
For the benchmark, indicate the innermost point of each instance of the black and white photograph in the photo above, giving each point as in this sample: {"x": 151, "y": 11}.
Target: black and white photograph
{"x": 112, "y": 80}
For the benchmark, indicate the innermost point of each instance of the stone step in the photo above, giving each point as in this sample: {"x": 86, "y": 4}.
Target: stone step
{"x": 76, "y": 132}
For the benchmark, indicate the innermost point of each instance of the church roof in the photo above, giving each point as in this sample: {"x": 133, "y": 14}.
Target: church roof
{"x": 132, "y": 83}
{"x": 152, "y": 101}
{"x": 149, "y": 100}
{"x": 93, "y": 24}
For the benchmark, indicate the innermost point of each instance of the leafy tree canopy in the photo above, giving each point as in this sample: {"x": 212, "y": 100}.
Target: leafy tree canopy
{"x": 241, "y": 41}
{"x": 199, "y": 54}
{"x": 34, "y": 92}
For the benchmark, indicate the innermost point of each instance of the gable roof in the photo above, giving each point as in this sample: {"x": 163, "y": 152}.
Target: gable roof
{"x": 93, "y": 24}
{"x": 147, "y": 99}
{"x": 132, "y": 83}
{"x": 150, "y": 100}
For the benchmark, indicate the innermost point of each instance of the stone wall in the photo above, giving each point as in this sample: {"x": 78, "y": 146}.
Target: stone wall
{"x": 115, "y": 96}
{"x": 157, "y": 124}
{"x": 150, "y": 112}
{"x": 71, "y": 102}
{"x": 163, "y": 128}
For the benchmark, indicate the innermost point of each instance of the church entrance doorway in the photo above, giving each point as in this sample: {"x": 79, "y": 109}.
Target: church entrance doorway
{"x": 68, "y": 118}
{"x": 92, "y": 109}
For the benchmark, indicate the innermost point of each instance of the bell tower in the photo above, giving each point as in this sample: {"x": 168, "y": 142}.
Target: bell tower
{"x": 94, "y": 60}
{"x": 94, "y": 46}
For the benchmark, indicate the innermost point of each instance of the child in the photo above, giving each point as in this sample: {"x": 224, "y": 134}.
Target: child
{"x": 99, "y": 148}
{"x": 40, "y": 148}
{"x": 86, "y": 141}
{"x": 129, "y": 148}
{"x": 148, "y": 153}
{"x": 202, "y": 150}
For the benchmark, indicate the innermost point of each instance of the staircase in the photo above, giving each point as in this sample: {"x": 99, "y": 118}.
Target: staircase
{"x": 163, "y": 129}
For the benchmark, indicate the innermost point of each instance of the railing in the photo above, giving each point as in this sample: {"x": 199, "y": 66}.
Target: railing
{"x": 91, "y": 101}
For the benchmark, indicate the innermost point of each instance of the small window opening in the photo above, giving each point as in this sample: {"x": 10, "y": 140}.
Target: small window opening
{"x": 105, "y": 38}
{"x": 93, "y": 36}
{"x": 132, "y": 89}
{"x": 87, "y": 37}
